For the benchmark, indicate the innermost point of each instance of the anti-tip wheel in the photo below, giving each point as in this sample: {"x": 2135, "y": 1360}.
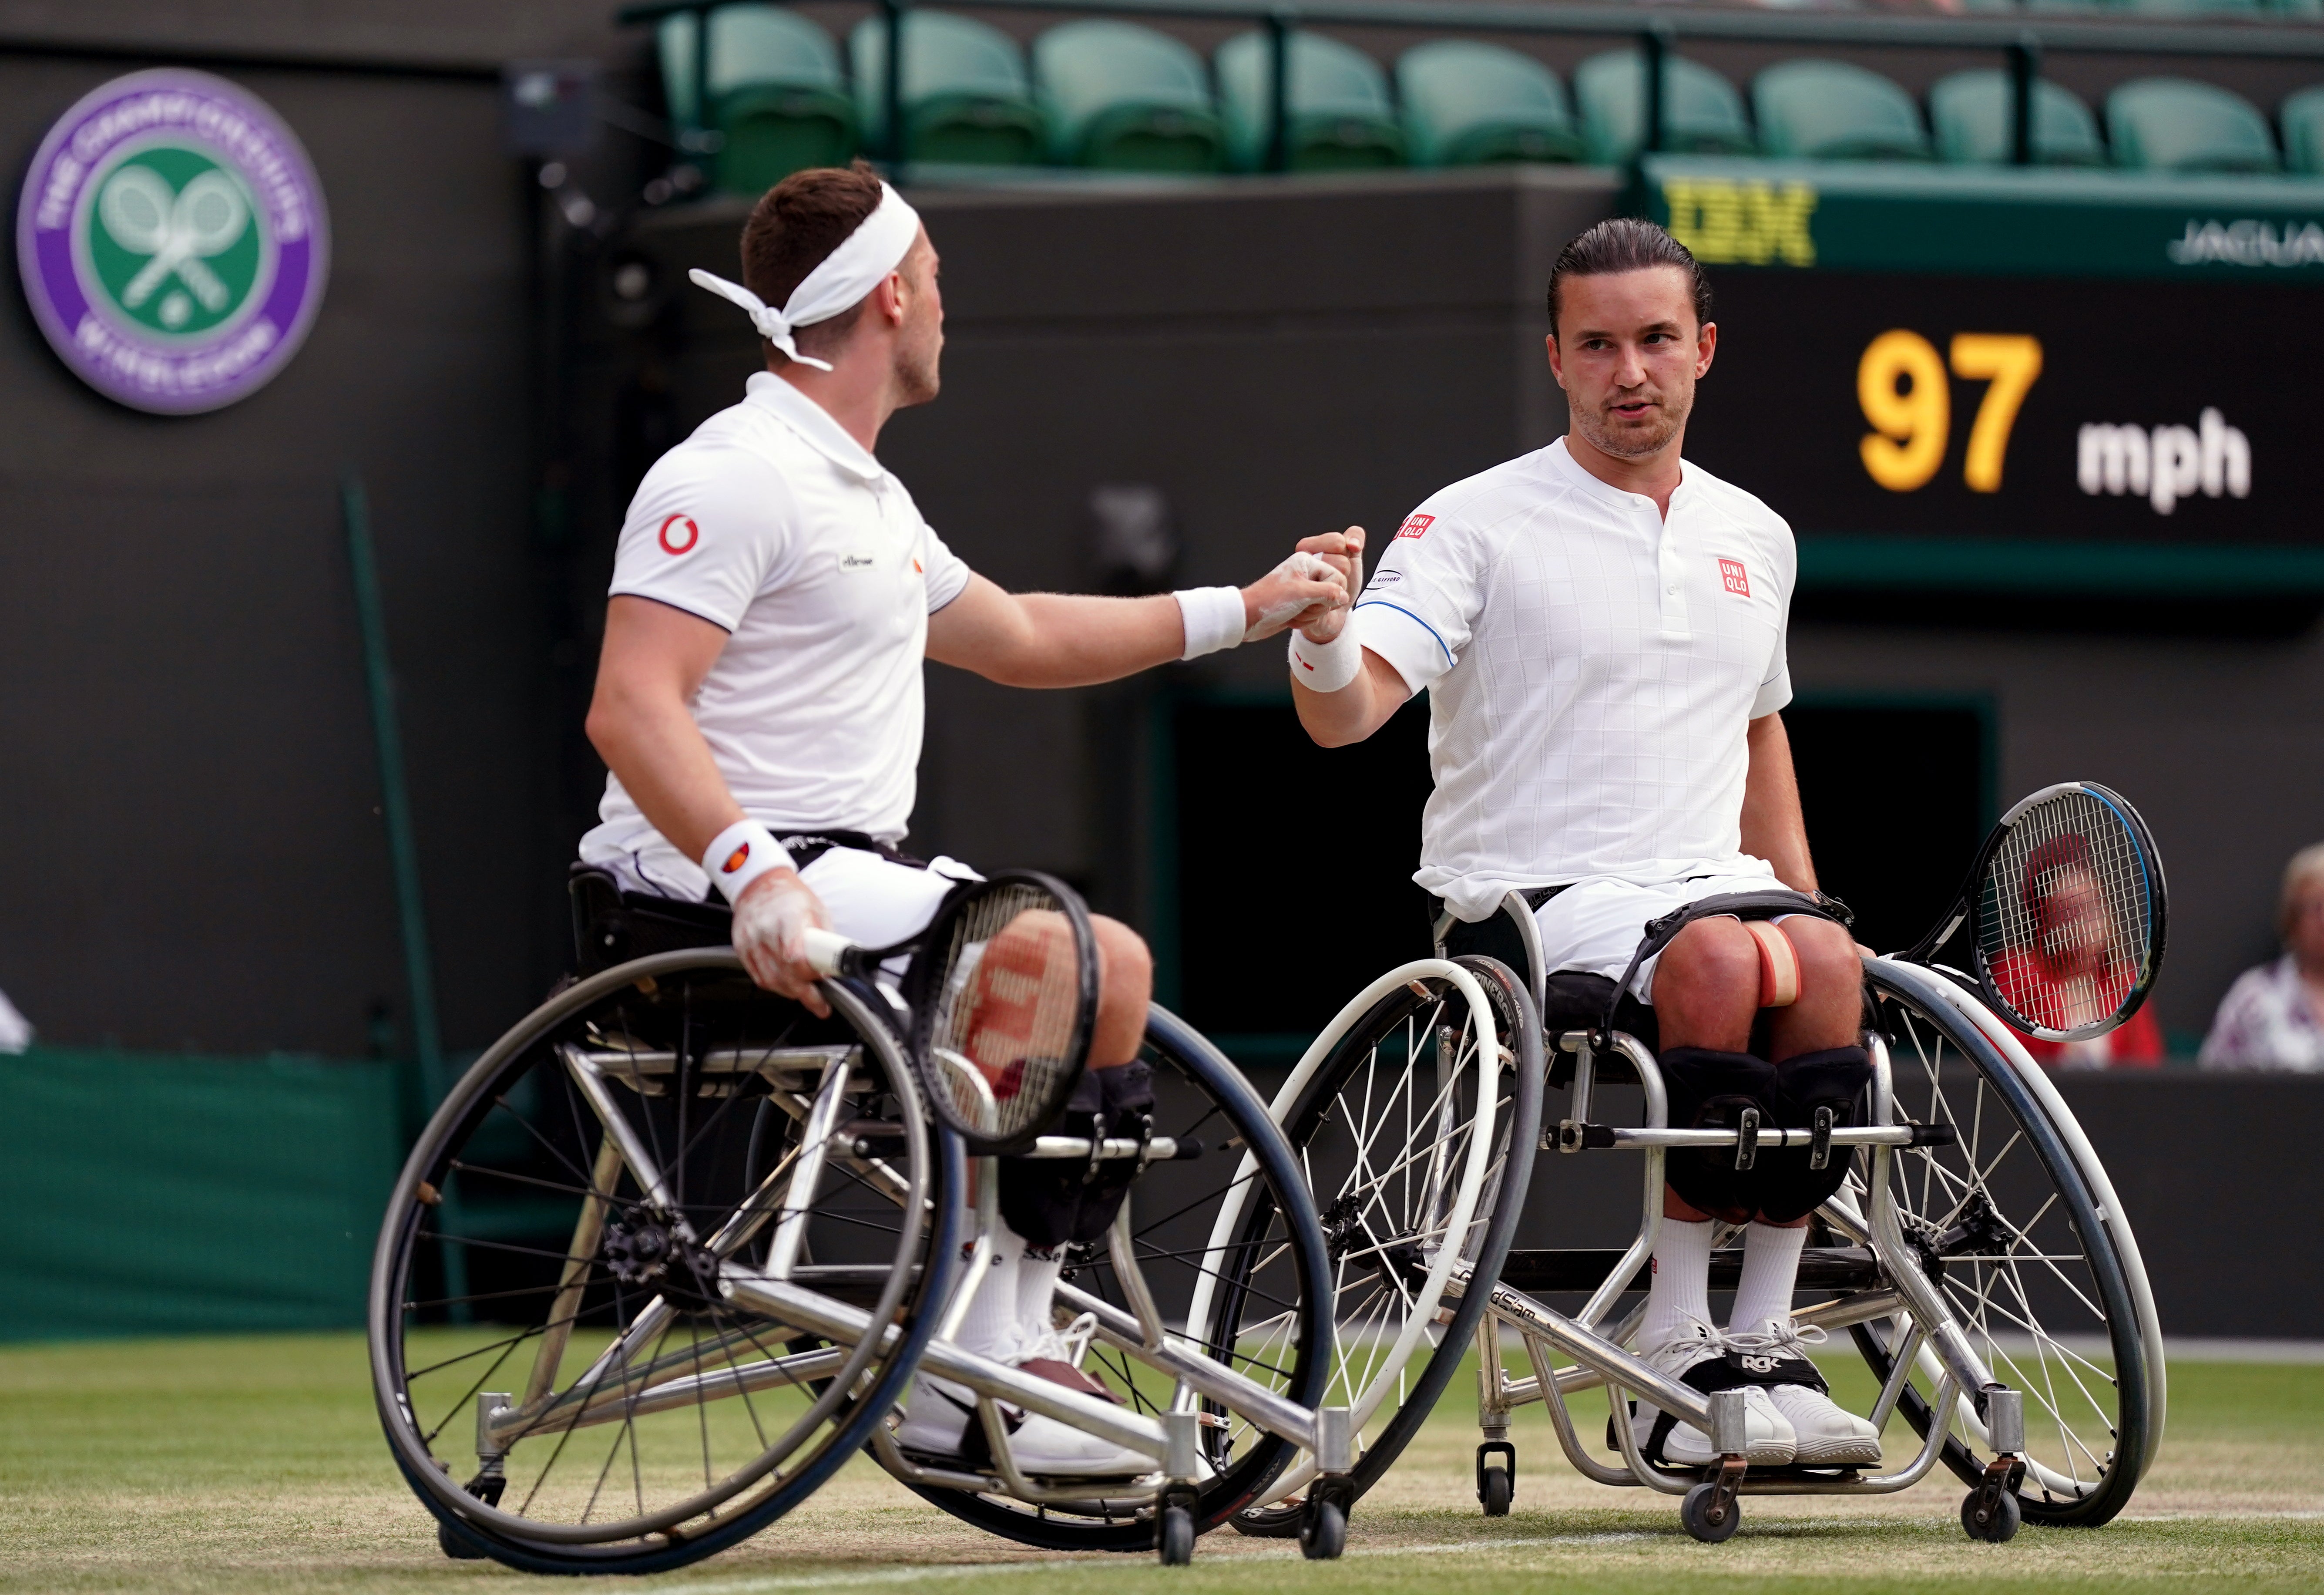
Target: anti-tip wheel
{"x": 1999, "y": 1527}
{"x": 1175, "y": 1542}
{"x": 1694, "y": 1511}
{"x": 1323, "y": 1531}
{"x": 1496, "y": 1492}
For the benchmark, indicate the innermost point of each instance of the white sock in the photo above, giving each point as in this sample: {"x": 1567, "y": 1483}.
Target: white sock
{"x": 1680, "y": 1286}
{"x": 990, "y": 1329}
{"x": 1771, "y": 1269}
{"x": 1037, "y": 1287}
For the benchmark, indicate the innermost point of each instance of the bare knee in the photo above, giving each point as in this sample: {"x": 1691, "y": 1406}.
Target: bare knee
{"x": 1126, "y": 969}
{"x": 1706, "y": 986}
{"x": 1828, "y": 962}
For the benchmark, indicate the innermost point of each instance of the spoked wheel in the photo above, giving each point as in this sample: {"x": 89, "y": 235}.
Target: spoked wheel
{"x": 1388, "y": 1130}
{"x": 562, "y": 1376}
{"x": 1266, "y": 1280}
{"x": 2019, "y": 1225}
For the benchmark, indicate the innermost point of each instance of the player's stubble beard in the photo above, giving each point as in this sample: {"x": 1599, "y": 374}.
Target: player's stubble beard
{"x": 1632, "y": 443}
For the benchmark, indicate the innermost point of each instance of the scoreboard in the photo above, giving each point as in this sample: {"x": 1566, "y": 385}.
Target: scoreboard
{"x": 2102, "y": 367}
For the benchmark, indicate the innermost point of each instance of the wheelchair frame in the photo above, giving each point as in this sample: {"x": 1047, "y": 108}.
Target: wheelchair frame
{"x": 812, "y": 1086}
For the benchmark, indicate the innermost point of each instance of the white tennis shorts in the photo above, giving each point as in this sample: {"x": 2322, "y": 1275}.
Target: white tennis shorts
{"x": 874, "y": 901}
{"x": 1596, "y": 924}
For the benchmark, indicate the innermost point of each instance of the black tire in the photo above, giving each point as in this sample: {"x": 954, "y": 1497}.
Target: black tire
{"x": 1199, "y": 1094}
{"x": 516, "y": 1208}
{"x": 1322, "y": 1531}
{"x": 1176, "y": 1545}
{"x": 1694, "y": 1512}
{"x": 1498, "y": 1493}
{"x": 2090, "y": 1427}
{"x": 1363, "y": 1293}
{"x": 2000, "y": 1528}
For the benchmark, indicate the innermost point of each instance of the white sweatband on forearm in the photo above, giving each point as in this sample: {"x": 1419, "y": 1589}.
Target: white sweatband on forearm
{"x": 739, "y": 854}
{"x": 1212, "y": 617}
{"x": 1326, "y": 667}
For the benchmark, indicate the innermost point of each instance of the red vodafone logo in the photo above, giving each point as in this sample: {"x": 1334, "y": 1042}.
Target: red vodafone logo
{"x": 679, "y": 534}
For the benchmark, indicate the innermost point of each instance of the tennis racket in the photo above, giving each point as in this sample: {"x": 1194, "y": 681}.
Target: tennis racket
{"x": 1003, "y": 988}
{"x": 2067, "y": 909}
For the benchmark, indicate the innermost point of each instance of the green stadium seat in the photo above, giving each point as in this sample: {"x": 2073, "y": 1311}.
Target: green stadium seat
{"x": 777, "y": 99}
{"x": 2188, "y": 8}
{"x": 1970, "y": 112}
{"x": 2177, "y": 125}
{"x": 1701, "y": 113}
{"x": 1466, "y": 103}
{"x": 966, "y": 95}
{"x": 1820, "y": 110}
{"x": 1340, "y": 119}
{"x": 1126, "y": 98}
{"x": 2301, "y": 117}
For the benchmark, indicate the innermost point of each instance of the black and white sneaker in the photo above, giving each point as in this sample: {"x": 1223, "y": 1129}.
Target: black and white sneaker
{"x": 1826, "y": 1434}
{"x": 1702, "y": 1358}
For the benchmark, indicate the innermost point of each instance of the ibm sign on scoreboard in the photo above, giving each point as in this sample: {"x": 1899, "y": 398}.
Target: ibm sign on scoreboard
{"x": 2071, "y": 358}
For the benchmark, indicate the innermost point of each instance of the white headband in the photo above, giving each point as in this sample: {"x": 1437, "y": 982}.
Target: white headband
{"x": 861, "y": 263}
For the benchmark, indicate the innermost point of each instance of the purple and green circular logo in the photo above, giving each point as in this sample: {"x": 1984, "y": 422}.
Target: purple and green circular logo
{"x": 172, "y": 242}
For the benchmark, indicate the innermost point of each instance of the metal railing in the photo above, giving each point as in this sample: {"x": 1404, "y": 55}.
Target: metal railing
{"x": 2020, "y": 41}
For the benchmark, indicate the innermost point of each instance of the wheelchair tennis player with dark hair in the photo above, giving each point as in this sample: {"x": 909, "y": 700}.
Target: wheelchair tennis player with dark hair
{"x": 1600, "y": 626}
{"x": 1615, "y": 835}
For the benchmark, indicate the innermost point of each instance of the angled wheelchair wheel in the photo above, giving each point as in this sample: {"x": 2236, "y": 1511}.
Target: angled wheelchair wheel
{"x": 1420, "y": 1115}
{"x": 565, "y": 1378}
{"x": 1229, "y": 1246}
{"x": 2019, "y": 1225}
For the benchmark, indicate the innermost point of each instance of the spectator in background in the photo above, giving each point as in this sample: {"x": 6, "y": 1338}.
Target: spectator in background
{"x": 2273, "y": 1016}
{"x": 2072, "y": 968}
{"x": 15, "y": 1033}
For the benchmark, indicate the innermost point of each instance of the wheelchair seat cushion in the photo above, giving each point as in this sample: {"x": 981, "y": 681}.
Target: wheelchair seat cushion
{"x": 612, "y": 927}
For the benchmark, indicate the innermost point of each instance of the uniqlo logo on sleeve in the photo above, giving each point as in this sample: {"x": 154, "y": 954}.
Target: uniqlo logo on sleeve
{"x": 1730, "y": 571}
{"x": 1414, "y": 525}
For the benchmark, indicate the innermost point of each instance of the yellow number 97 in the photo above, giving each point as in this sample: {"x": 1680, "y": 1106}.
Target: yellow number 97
{"x": 1901, "y": 385}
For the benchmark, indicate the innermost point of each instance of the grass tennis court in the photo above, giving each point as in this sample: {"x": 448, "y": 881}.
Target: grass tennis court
{"x": 256, "y": 1464}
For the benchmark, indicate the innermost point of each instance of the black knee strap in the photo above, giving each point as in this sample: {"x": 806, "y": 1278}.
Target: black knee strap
{"x": 1835, "y": 1078}
{"x": 1051, "y": 1202}
{"x": 1709, "y": 1091}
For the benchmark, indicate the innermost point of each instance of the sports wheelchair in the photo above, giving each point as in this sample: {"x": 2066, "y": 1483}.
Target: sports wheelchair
{"x": 1976, "y": 1257}
{"x": 671, "y": 1250}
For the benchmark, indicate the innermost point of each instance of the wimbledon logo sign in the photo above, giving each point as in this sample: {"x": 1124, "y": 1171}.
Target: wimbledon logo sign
{"x": 172, "y": 242}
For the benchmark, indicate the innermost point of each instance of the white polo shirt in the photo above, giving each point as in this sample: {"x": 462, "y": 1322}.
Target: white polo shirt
{"x": 775, "y": 525}
{"x": 1591, "y": 668}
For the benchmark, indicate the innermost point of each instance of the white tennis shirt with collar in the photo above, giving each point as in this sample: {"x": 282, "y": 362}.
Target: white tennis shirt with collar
{"x": 1591, "y": 668}
{"x": 773, "y": 524}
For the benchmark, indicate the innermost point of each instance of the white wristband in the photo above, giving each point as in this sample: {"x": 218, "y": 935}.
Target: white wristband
{"x": 739, "y": 854}
{"x": 1326, "y": 667}
{"x": 1212, "y": 617}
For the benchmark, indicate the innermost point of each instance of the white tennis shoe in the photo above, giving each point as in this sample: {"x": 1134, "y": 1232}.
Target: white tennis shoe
{"x": 1827, "y": 1434}
{"x": 938, "y": 1414}
{"x": 1769, "y": 1441}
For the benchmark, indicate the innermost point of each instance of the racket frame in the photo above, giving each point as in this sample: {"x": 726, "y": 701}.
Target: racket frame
{"x": 1969, "y": 908}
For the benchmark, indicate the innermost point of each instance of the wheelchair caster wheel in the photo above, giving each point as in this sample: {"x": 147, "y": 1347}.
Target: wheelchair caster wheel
{"x": 1323, "y": 1531}
{"x": 1175, "y": 1542}
{"x": 1696, "y": 1512}
{"x": 1996, "y": 1525}
{"x": 459, "y": 1547}
{"x": 1497, "y": 1487}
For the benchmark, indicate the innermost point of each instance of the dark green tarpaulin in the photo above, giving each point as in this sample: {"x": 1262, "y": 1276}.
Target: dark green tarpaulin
{"x": 150, "y": 1194}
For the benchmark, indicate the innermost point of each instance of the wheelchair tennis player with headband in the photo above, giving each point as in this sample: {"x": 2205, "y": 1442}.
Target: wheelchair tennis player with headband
{"x": 759, "y": 702}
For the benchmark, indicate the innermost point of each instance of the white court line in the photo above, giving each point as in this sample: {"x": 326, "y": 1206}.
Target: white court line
{"x": 763, "y": 1583}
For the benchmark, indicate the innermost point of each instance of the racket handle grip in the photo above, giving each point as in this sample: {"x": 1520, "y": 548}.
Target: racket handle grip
{"x": 827, "y": 951}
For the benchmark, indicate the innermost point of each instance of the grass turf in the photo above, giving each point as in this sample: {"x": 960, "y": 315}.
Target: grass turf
{"x": 257, "y": 1465}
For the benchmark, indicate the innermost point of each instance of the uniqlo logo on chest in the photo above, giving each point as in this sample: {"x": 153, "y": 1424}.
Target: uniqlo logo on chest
{"x": 1731, "y": 572}
{"x": 1414, "y": 525}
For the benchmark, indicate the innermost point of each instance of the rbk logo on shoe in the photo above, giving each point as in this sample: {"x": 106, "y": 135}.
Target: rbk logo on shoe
{"x": 1757, "y": 1364}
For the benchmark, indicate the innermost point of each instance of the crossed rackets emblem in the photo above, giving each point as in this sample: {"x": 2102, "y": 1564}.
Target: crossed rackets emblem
{"x": 179, "y": 229}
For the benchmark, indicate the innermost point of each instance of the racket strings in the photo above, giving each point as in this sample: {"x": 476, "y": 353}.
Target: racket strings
{"x": 2066, "y": 928}
{"x": 1009, "y": 1010}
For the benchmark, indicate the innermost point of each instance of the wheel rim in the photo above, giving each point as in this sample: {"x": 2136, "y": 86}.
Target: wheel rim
{"x": 692, "y": 1416}
{"x": 2008, "y": 1226}
{"x": 1384, "y": 1146}
{"x": 1174, "y": 1207}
